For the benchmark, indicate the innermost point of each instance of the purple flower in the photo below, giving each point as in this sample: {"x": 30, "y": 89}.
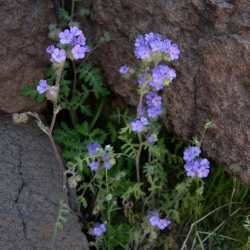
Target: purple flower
{"x": 42, "y": 86}
{"x": 124, "y": 69}
{"x": 94, "y": 165}
{"x": 155, "y": 221}
{"x": 154, "y": 40}
{"x": 106, "y": 161}
{"x": 58, "y": 56}
{"x": 163, "y": 223}
{"x": 138, "y": 125}
{"x": 66, "y": 37}
{"x": 154, "y": 104}
{"x": 154, "y": 218}
{"x": 174, "y": 52}
{"x": 191, "y": 153}
{"x": 79, "y": 52}
{"x": 151, "y": 138}
{"x": 160, "y": 75}
{"x": 93, "y": 148}
{"x": 99, "y": 229}
{"x": 150, "y": 43}
{"x": 197, "y": 168}
{"x": 142, "y": 49}
{"x": 50, "y": 49}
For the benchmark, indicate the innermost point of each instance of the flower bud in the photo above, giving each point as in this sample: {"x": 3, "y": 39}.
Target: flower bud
{"x": 52, "y": 93}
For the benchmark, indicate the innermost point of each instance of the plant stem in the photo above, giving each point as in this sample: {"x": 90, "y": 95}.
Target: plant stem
{"x": 97, "y": 115}
{"x": 72, "y": 10}
{"x": 73, "y": 115}
{"x": 138, "y": 157}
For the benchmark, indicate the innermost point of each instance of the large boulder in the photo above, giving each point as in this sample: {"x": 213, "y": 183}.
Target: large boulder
{"x": 30, "y": 193}
{"x": 213, "y": 72}
{"x": 24, "y": 29}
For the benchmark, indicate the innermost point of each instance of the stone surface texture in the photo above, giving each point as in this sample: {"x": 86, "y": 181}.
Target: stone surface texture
{"x": 24, "y": 32}
{"x": 30, "y": 192}
{"x": 213, "y": 81}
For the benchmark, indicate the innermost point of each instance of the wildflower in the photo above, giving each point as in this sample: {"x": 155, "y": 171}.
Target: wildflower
{"x": 124, "y": 69}
{"x": 154, "y": 104}
{"x": 66, "y": 37}
{"x": 93, "y": 148}
{"x": 154, "y": 41}
{"x": 197, "y": 168}
{"x": 138, "y": 125}
{"x": 160, "y": 75}
{"x": 58, "y": 55}
{"x": 163, "y": 223}
{"x": 106, "y": 161}
{"x": 152, "y": 138}
{"x": 94, "y": 165}
{"x": 99, "y": 229}
{"x": 155, "y": 221}
{"x": 142, "y": 49}
{"x": 50, "y": 49}
{"x": 42, "y": 86}
{"x": 79, "y": 52}
{"x": 191, "y": 153}
{"x": 174, "y": 52}
{"x": 151, "y": 43}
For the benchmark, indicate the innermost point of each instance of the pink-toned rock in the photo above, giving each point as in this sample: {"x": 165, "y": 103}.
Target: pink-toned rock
{"x": 213, "y": 79}
{"x": 24, "y": 28}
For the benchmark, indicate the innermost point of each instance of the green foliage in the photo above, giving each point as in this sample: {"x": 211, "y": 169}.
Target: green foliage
{"x": 61, "y": 220}
{"x": 30, "y": 91}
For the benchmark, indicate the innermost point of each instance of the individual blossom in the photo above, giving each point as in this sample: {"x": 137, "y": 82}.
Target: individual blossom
{"x": 154, "y": 41}
{"x": 66, "y": 37}
{"x": 142, "y": 49}
{"x": 197, "y": 168}
{"x": 58, "y": 55}
{"x": 79, "y": 51}
{"x": 163, "y": 223}
{"x": 42, "y": 86}
{"x": 106, "y": 162}
{"x": 152, "y": 138}
{"x": 94, "y": 165}
{"x": 50, "y": 49}
{"x": 154, "y": 104}
{"x": 98, "y": 229}
{"x": 155, "y": 221}
{"x": 138, "y": 125}
{"x": 191, "y": 153}
{"x": 124, "y": 69}
{"x": 153, "y": 218}
{"x": 174, "y": 52}
{"x": 161, "y": 75}
{"x": 93, "y": 148}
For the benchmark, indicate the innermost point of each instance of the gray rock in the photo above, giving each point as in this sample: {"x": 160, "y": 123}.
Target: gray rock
{"x": 213, "y": 74}
{"x": 24, "y": 32}
{"x": 30, "y": 192}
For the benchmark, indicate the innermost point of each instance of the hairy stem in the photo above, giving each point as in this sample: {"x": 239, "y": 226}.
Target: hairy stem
{"x": 73, "y": 115}
{"x": 138, "y": 157}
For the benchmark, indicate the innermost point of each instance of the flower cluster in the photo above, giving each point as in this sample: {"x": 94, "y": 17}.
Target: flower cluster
{"x": 194, "y": 165}
{"x": 98, "y": 229}
{"x": 72, "y": 44}
{"x": 155, "y": 221}
{"x": 148, "y": 45}
{"x": 99, "y": 157}
{"x": 152, "y": 77}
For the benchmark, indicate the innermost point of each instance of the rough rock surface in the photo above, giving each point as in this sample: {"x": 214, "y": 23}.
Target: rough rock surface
{"x": 30, "y": 191}
{"x": 24, "y": 29}
{"x": 213, "y": 73}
